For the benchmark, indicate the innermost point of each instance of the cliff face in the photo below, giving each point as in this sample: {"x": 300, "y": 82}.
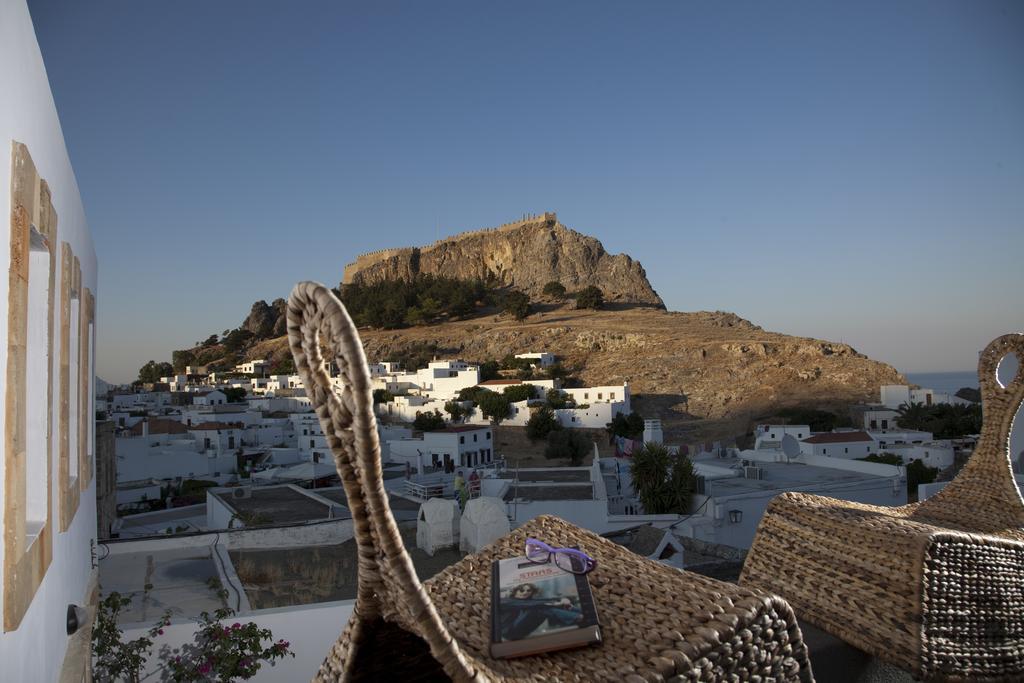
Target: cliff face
{"x": 526, "y": 255}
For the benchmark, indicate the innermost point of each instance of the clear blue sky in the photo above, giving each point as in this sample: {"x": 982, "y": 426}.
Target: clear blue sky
{"x": 852, "y": 171}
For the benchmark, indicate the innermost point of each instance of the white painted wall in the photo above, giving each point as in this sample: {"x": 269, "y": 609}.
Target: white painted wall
{"x": 34, "y": 652}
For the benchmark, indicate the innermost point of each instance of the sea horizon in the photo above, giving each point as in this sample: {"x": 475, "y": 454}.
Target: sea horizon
{"x": 945, "y": 382}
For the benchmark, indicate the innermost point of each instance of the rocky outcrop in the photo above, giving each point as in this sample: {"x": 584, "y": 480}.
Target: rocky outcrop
{"x": 526, "y": 255}
{"x": 266, "y": 321}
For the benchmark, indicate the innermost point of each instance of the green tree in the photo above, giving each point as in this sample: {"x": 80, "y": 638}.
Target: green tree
{"x": 285, "y": 366}
{"x": 153, "y": 371}
{"x": 590, "y": 297}
{"x": 489, "y": 370}
{"x": 816, "y": 420}
{"x": 516, "y": 304}
{"x": 912, "y": 416}
{"x": 237, "y": 339}
{"x": 556, "y": 399}
{"x": 474, "y": 394}
{"x": 554, "y": 290}
{"x": 542, "y": 423}
{"x": 181, "y": 359}
{"x": 519, "y": 392}
{"x": 663, "y": 482}
{"x": 428, "y": 422}
{"x": 568, "y": 444}
{"x": 455, "y": 410}
{"x": 493, "y": 406}
{"x": 627, "y": 426}
{"x": 234, "y": 394}
{"x": 919, "y": 473}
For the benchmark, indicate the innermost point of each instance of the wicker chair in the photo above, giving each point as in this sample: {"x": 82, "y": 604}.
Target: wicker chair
{"x": 658, "y": 623}
{"x": 937, "y": 587}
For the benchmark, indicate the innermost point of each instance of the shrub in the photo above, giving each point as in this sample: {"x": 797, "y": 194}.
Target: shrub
{"x": 568, "y": 444}
{"x": 494, "y": 406}
{"x": 554, "y": 289}
{"x": 516, "y": 304}
{"x": 455, "y": 410}
{"x": 590, "y": 297}
{"x": 428, "y": 422}
{"x": 542, "y": 423}
{"x": 519, "y": 392}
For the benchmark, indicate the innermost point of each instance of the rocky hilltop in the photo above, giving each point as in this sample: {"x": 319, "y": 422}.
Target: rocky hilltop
{"x": 526, "y": 254}
{"x": 705, "y": 374}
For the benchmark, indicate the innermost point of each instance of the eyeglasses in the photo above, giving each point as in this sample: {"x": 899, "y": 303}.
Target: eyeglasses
{"x": 569, "y": 559}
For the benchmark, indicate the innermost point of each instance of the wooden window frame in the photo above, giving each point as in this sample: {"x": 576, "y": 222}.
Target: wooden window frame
{"x": 70, "y": 286}
{"x": 26, "y": 559}
{"x": 86, "y": 400}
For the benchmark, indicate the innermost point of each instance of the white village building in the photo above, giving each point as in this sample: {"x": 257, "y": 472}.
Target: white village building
{"x": 895, "y": 395}
{"x": 543, "y": 358}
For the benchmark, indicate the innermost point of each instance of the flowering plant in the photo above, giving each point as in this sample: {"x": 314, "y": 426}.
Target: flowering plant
{"x": 225, "y": 653}
{"x": 217, "y": 652}
{"x": 116, "y": 659}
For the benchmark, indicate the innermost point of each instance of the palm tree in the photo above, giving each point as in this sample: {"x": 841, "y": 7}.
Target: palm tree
{"x": 662, "y": 481}
{"x": 913, "y": 416}
{"x": 650, "y": 471}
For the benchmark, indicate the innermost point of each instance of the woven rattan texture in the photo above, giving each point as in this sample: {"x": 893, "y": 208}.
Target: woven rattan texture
{"x": 937, "y": 587}
{"x": 658, "y": 623}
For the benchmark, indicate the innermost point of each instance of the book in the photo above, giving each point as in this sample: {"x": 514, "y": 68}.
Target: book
{"x": 539, "y": 608}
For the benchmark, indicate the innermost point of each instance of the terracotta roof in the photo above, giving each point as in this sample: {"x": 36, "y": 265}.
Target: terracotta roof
{"x": 159, "y": 425}
{"x": 838, "y": 437}
{"x": 207, "y": 426}
{"x": 497, "y": 382}
{"x": 461, "y": 428}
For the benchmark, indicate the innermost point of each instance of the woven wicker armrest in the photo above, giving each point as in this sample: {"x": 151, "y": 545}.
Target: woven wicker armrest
{"x": 937, "y": 587}
{"x": 658, "y": 623}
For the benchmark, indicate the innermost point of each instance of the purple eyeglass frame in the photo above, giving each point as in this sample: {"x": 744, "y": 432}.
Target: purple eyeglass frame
{"x": 589, "y": 563}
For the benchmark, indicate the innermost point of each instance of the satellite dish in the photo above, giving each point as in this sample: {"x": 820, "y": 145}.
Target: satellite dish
{"x": 790, "y": 446}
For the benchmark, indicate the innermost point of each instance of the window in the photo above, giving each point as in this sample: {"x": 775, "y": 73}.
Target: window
{"x": 28, "y": 387}
{"x": 68, "y": 425}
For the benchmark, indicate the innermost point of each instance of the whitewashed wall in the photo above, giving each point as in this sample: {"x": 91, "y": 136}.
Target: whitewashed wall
{"x": 35, "y": 651}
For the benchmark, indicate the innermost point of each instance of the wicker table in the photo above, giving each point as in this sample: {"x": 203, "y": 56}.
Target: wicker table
{"x": 658, "y": 623}
{"x": 937, "y": 587}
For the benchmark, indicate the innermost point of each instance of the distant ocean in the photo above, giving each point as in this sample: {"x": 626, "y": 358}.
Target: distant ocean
{"x": 944, "y": 382}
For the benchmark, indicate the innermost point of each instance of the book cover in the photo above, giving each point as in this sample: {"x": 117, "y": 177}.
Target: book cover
{"x": 539, "y": 608}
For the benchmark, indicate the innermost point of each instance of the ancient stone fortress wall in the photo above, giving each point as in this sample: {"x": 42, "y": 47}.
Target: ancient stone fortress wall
{"x": 371, "y": 258}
